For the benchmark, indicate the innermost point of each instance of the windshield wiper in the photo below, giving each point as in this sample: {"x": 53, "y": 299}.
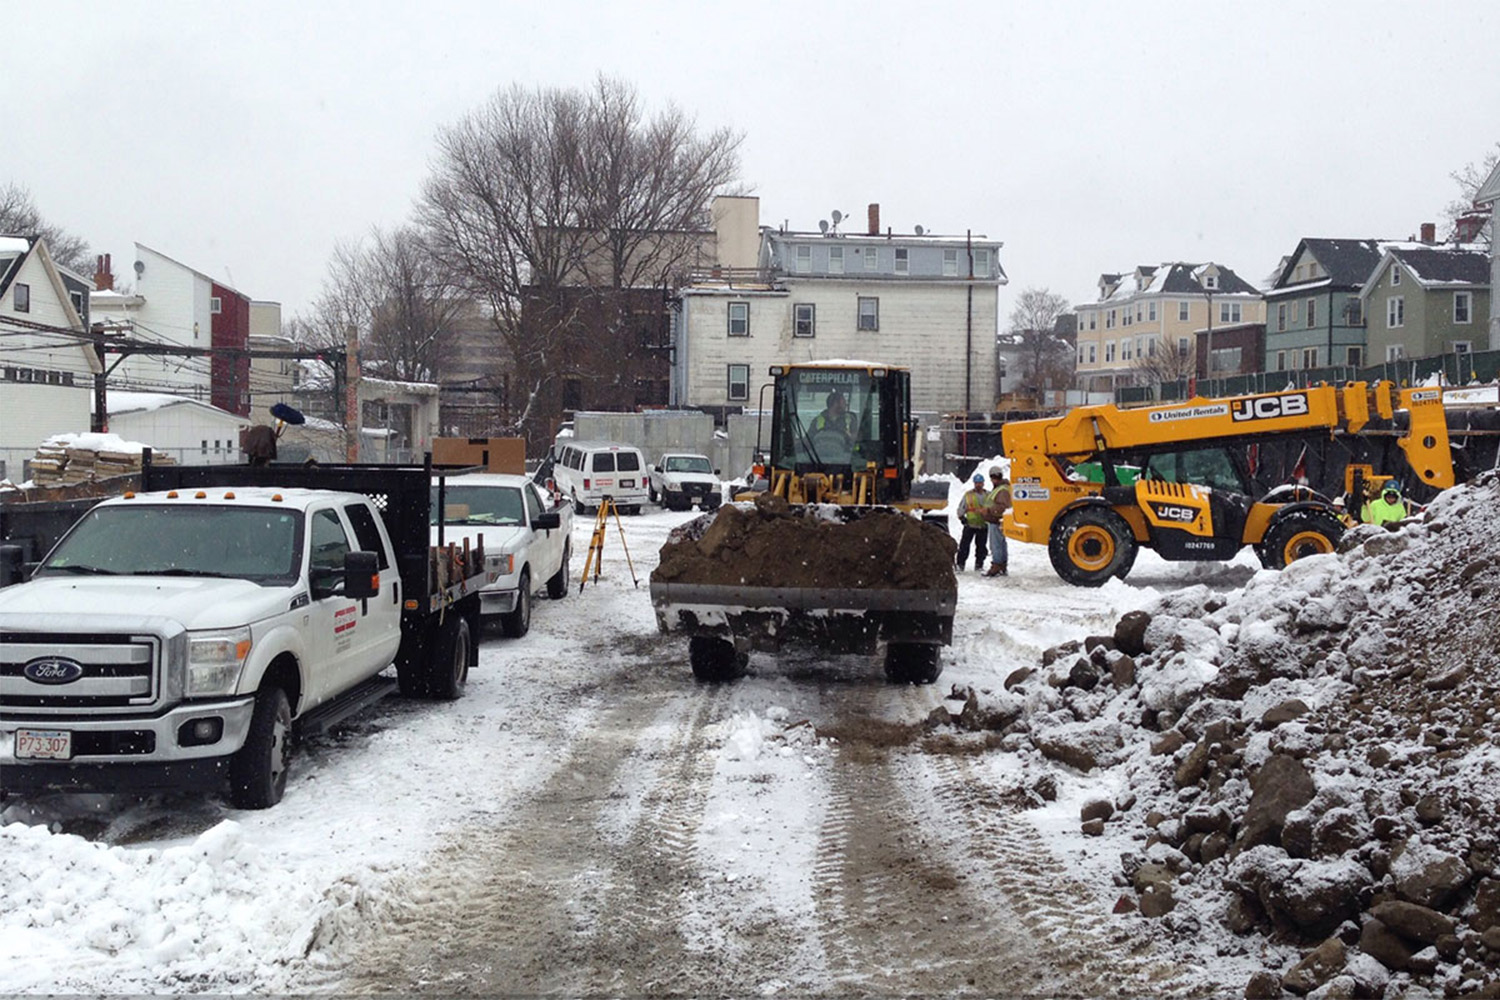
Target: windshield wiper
{"x": 180, "y": 571}
{"x": 80, "y": 569}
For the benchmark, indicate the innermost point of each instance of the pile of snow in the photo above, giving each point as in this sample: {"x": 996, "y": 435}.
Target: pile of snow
{"x": 1303, "y": 773}
{"x": 94, "y": 441}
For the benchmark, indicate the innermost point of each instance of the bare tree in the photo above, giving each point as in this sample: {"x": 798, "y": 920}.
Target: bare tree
{"x": 19, "y": 216}
{"x": 1469, "y": 180}
{"x": 1168, "y": 364}
{"x": 1046, "y": 359}
{"x": 544, "y": 202}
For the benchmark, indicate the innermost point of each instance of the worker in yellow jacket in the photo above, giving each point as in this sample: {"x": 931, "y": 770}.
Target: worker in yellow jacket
{"x": 1388, "y": 508}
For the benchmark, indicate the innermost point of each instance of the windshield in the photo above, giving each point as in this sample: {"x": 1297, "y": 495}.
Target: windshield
{"x": 688, "y": 463}
{"x": 1210, "y": 467}
{"x": 827, "y": 419}
{"x": 260, "y": 544}
{"x": 480, "y": 505}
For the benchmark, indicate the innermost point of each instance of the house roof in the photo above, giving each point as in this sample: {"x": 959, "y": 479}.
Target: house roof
{"x": 1172, "y": 278}
{"x": 13, "y": 251}
{"x": 1349, "y": 262}
{"x": 206, "y": 277}
{"x": 1445, "y": 266}
{"x": 120, "y": 401}
{"x": 1489, "y": 191}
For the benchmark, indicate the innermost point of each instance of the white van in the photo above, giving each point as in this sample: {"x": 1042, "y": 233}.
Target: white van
{"x": 588, "y": 471}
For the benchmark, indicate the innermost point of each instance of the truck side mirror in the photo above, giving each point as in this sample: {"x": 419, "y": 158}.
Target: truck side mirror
{"x": 718, "y": 472}
{"x": 361, "y": 575}
{"x": 12, "y": 565}
{"x": 548, "y": 521}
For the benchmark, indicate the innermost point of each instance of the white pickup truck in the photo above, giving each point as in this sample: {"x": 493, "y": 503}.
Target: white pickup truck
{"x": 527, "y": 540}
{"x": 680, "y": 480}
{"x": 180, "y": 635}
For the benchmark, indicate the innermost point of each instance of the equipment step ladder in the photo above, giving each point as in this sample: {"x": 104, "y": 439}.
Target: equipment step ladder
{"x": 607, "y": 508}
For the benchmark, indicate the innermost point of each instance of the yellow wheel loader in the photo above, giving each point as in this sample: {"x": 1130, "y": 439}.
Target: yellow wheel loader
{"x": 1100, "y": 482}
{"x": 833, "y": 552}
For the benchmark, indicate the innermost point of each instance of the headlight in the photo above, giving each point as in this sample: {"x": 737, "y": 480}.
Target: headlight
{"x": 215, "y": 660}
{"x": 502, "y": 564}
{"x": 673, "y": 487}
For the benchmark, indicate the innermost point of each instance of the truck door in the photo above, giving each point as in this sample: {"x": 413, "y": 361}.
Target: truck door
{"x": 380, "y": 616}
{"x": 546, "y": 545}
{"x": 335, "y": 618}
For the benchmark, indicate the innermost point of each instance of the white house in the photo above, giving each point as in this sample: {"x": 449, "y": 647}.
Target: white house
{"x": 192, "y": 432}
{"x": 929, "y": 303}
{"x": 1489, "y": 197}
{"x": 46, "y": 367}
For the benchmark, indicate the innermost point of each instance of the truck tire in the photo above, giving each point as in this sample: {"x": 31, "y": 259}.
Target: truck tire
{"x": 1091, "y": 544}
{"x": 715, "y": 660}
{"x": 518, "y": 622}
{"x": 1300, "y": 534}
{"x": 913, "y": 662}
{"x": 651, "y": 493}
{"x": 448, "y": 669}
{"x": 257, "y": 773}
{"x": 557, "y": 583}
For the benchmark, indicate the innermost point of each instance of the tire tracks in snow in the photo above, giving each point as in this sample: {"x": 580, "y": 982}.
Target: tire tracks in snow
{"x": 546, "y": 901}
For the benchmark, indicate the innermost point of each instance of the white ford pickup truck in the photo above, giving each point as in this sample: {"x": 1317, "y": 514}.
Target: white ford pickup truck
{"x": 177, "y": 636}
{"x": 527, "y": 540}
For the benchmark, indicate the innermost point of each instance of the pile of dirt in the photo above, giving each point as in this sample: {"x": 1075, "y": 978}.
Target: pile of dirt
{"x": 1311, "y": 765}
{"x": 771, "y": 544}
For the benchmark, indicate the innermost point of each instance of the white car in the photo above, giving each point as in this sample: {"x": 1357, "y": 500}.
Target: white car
{"x": 527, "y": 543}
{"x": 681, "y": 480}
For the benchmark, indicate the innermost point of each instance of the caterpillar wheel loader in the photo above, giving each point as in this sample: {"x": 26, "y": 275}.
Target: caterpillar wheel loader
{"x": 1101, "y": 482}
{"x": 833, "y": 553}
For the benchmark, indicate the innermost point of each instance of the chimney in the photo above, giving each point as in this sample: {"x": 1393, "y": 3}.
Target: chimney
{"x": 874, "y": 218}
{"x": 104, "y": 279}
{"x": 1429, "y": 232}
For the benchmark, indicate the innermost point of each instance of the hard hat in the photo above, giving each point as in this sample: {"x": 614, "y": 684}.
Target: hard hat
{"x": 979, "y": 478}
{"x": 1392, "y": 487}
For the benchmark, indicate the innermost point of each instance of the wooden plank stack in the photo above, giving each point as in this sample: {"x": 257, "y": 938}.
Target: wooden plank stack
{"x": 64, "y": 465}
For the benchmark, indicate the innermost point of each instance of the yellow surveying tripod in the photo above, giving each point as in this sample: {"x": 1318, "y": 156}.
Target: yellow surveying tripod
{"x": 596, "y": 544}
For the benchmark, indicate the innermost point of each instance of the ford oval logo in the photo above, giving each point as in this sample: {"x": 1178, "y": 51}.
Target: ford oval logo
{"x": 53, "y": 670}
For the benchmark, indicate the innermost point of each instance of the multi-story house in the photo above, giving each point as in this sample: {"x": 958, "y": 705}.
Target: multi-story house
{"x": 173, "y": 305}
{"x": 47, "y": 366}
{"x": 1424, "y": 300}
{"x": 1314, "y": 314}
{"x": 1145, "y": 324}
{"x": 1486, "y": 199}
{"x": 927, "y": 302}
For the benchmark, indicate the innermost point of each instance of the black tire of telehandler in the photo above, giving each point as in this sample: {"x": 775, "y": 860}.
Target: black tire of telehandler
{"x": 1300, "y": 534}
{"x": 1091, "y": 544}
{"x": 913, "y": 662}
{"x": 715, "y": 660}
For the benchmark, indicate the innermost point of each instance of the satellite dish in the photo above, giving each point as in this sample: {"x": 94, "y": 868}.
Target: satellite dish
{"x": 823, "y": 226}
{"x": 920, "y": 230}
{"x": 140, "y": 268}
{"x": 837, "y": 216}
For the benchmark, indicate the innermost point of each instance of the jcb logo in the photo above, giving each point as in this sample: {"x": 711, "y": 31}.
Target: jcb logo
{"x": 1169, "y": 513}
{"x": 1269, "y": 407}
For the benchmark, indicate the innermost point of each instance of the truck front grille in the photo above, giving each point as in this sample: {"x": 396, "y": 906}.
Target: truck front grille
{"x": 77, "y": 670}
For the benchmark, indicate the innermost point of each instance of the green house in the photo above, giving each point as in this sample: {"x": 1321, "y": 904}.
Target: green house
{"x": 1428, "y": 299}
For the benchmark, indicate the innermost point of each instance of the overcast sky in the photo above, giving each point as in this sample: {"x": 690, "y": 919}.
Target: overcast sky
{"x": 246, "y": 140}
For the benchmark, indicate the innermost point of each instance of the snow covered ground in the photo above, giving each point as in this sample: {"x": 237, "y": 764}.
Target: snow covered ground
{"x": 168, "y": 893}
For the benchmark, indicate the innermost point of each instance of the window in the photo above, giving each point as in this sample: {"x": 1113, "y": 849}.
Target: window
{"x": 1109, "y": 351}
{"x": 835, "y": 260}
{"x": 981, "y": 263}
{"x": 604, "y": 461}
{"x": 1226, "y": 359}
{"x": 1182, "y": 311}
{"x": 22, "y": 298}
{"x": 739, "y": 319}
{"x": 329, "y": 547}
{"x": 365, "y": 531}
{"x": 950, "y": 263}
{"x": 1125, "y": 349}
{"x": 1312, "y": 312}
{"x": 1354, "y": 355}
{"x": 1281, "y": 316}
{"x": 739, "y": 382}
{"x": 869, "y": 313}
{"x": 803, "y": 316}
{"x": 903, "y": 264}
{"x": 1229, "y": 312}
{"x": 872, "y": 259}
{"x": 1356, "y": 309}
{"x": 215, "y": 305}
{"x": 1395, "y": 312}
{"x": 1082, "y": 353}
{"x": 1395, "y": 275}
{"x": 1463, "y": 346}
{"x": 1182, "y": 347}
{"x": 1109, "y": 320}
{"x": 203, "y": 447}
{"x": 1281, "y": 361}
{"x": 77, "y": 298}
{"x": 1151, "y": 347}
{"x": 1393, "y": 352}
{"x": 1463, "y": 306}
{"x": 1138, "y": 312}
{"x": 1129, "y": 316}
{"x": 1151, "y": 312}
{"x": 804, "y": 259}
{"x": 627, "y": 461}
{"x": 1093, "y": 321}
{"x": 1211, "y": 282}
{"x": 1093, "y": 354}
{"x": 1309, "y": 357}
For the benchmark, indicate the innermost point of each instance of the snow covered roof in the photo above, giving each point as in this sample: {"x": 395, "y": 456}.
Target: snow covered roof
{"x": 1171, "y": 278}
{"x": 415, "y": 388}
{"x": 121, "y": 401}
{"x": 1435, "y": 267}
{"x": 14, "y": 244}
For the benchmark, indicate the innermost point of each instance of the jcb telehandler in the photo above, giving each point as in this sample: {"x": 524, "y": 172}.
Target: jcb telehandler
{"x": 1100, "y": 482}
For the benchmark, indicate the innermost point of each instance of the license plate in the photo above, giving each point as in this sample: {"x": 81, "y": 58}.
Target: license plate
{"x": 627, "y": 484}
{"x": 44, "y": 744}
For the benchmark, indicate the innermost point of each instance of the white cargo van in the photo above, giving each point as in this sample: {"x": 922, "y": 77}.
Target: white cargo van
{"x": 588, "y": 471}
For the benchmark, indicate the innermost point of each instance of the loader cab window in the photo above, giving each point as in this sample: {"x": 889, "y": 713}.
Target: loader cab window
{"x": 828, "y": 420}
{"x": 1211, "y": 467}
